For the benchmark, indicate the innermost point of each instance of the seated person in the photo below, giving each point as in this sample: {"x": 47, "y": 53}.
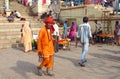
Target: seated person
{"x": 98, "y": 26}
{"x": 17, "y": 14}
{"x": 118, "y": 33}
{"x": 98, "y": 30}
{"x": 11, "y": 17}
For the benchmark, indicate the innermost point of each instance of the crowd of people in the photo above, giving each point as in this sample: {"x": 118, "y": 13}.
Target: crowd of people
{"x": 26, "y": 2}
{"x": 49, "y": 35}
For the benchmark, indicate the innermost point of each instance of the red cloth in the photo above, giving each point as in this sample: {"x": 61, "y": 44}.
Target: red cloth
{"x": 98, "y": 1}
{"x": 49, "y": 20}
{"x": 89, "y": 2}
{"x": 43, "y": 1}
{"x": 52, "y": 29}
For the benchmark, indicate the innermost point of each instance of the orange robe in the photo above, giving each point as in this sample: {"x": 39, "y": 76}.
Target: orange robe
{"x": 45, "y": 47}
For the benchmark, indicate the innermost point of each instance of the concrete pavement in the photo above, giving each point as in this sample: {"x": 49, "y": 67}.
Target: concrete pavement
{"x": 103, "y": 62}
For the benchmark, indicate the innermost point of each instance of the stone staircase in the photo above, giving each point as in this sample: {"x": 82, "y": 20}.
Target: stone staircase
{"x": 10, "y": 34}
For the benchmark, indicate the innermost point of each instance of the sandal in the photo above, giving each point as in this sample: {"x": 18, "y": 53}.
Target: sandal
{"x": 39, "y": 71}
{"x": 82, "y": 64}
{"x": 49, "y": 74}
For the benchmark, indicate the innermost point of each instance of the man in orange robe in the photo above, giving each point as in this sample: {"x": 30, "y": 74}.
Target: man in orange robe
{"x": 45, "y": 46}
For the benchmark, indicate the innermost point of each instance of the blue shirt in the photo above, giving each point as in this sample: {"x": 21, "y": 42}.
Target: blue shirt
{"x": 65, "y": 26}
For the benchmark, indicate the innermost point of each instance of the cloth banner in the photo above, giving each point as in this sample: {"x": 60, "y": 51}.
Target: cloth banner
{"x": 93, "y": 1}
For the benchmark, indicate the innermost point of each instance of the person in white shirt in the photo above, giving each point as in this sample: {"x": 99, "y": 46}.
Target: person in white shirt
{"x": 17, "y": 14}
{"x": 56, "y": 36}
{"x": 84, "y": 32}
{"x": 98, "y": 31}
{"x": 98, "y": 26}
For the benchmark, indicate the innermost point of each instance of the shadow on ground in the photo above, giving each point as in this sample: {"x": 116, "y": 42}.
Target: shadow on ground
{"x": 23, "y": 68}
{"x": 106, "y": 57}
{"x": 74, "y": 61}
{"x": 111, "y": 51}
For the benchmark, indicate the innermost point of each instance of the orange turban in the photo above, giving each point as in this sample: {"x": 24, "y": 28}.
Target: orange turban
{"x": 49, "y": 20}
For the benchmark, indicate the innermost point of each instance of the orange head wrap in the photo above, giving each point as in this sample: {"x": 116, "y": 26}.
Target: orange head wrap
{"x": 49, "y": 20}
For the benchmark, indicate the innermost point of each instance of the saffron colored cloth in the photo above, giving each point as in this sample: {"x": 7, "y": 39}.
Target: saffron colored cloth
{"x": 27, "y": 36}
{"x": 64, "y": 41}
{"x": 47, "y": 62}
{"x": 45, "y": 47}
{"x": 45, "y": 43}
{"x": 106, "y": 35}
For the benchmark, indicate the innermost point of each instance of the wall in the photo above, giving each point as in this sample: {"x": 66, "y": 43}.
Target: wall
{"x": 77, "y": 13}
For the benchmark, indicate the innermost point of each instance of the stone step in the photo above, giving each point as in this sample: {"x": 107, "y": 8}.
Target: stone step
{"x": 10, "y": 45}
{"x": 10, "y": 33}
{"x": 6, "y": 41}
{"x": 18, "y": 25}
{"x": 5, "y": 32}
{"x": 27, "y": 18}
{"x": 13, "y": 32}
{"x": 16, "y": 29}
{"x": 10, "y": 37}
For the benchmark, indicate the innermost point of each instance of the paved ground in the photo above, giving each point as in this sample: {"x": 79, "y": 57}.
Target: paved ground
{"x": 103, "y": 63}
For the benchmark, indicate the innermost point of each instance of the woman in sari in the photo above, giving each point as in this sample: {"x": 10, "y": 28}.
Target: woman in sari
{"x": 72, "y": 31}
{"x": 26, "y": 37}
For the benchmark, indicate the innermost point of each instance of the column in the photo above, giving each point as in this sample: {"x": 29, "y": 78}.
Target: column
{"x": 39, "y": 7}
{"x": 117, "y": 6}
{"x": 7, "y": 9}
{"x": 66, "y": 3}
{"x": 6, "y": 5}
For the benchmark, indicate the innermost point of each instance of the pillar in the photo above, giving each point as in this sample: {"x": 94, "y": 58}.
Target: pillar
{"x": 66, "y": 3}
{"x": 117, "y": 6}
{"x": 7, "y": 9}
{"x": 6, "y": 3}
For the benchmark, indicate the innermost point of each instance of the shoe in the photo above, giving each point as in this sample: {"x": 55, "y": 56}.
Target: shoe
{"x": 85, "y": 61}
{"x": 49, "y": 74}
{"x": 39, "y": 71}
{"x": 81, "y": 64}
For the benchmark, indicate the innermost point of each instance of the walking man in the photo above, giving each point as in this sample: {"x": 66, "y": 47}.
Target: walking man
{"x": 56, "y": 36}
{"x": 84, "y": 31}
{"x": 45, "y": 47}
